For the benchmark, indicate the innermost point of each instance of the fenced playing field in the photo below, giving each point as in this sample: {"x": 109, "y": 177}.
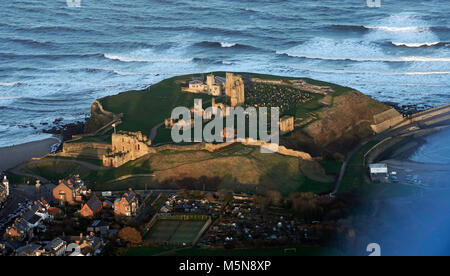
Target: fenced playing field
{"x": 177, "y": 230}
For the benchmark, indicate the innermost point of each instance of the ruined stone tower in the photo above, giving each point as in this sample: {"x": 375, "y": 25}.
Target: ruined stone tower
{"x": 234, "y": 89}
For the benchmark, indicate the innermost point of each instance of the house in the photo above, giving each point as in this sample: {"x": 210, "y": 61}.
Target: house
{"x": 29, "y": 250}
{"x": 89, "y": 245}
{"x": 107, "y": 204}
{"x": 92, "y": 207}
{"x": 70, "y": 191}
{"x": 18, "y": 231}
{"x": 29, "y": 221}
{"x": 99, "y": 227}
{"x": 127, "y": 205}
{"x": 56, "y": 247}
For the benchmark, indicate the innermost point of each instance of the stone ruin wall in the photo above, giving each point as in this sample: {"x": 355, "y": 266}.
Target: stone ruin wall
{"x": 234, "y": 89}
{"x": 85, "y": 150}
{"x": 286, "y": 125}
{"x": 125, "y": 147}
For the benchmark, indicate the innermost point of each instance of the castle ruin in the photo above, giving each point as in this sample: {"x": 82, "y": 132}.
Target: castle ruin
{"x": 234, "y": 89}
{"x": 286, "y": 124}
{"x": 126, "y": 146}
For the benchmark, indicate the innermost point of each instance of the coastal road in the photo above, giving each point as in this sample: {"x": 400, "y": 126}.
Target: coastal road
{"x": 441, "y": 118}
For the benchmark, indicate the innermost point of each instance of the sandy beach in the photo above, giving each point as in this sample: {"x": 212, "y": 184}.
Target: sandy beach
{"x": 14, "y": 155}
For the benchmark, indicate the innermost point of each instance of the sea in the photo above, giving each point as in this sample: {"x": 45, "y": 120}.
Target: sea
{"x": 57, "y": 57}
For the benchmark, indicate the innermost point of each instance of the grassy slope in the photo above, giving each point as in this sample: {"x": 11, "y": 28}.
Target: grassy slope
{"x": 149, "y": 107}
{"x": 144, "y": 109}
{"x": 248, "y": 169}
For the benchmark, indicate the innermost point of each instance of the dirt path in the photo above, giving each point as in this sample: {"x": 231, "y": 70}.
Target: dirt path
{"x": 154, "y": 131}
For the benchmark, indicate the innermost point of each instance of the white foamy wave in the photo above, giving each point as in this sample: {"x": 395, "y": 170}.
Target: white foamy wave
{"x": 139, "y": 59}
{"x": 227, "y": 44}
{"x": 124, "y": 73}
{"x": 227, "y": 62}
{"x": 10, "y": 83}
{"x": 368, "y": 59}
{"x": 372, "y": 72}
{"x": 350, "y": 50}
{"x": 425, "y": 59}
{"x": 416, "y": 45}
{"x": 408, "y": 29}
{"x": 398, "y": 29}
{"x": 9, "y": 98}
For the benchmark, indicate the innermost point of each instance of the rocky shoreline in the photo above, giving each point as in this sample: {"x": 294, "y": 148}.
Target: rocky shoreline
{"x": 408, "y": 109}
{"x": 65, "y": 131}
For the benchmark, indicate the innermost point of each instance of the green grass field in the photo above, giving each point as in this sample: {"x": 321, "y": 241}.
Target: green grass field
{"x": 174, "y": 231}
{"x": 149, "y": 107}
{"x": 355, "y": 174}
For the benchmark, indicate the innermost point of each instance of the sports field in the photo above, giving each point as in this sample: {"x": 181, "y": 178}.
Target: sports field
{"x": 175, "y": 231}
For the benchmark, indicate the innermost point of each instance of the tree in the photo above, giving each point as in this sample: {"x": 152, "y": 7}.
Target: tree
{"x": 131, "y": 235}
{"x": 306, "y": 205}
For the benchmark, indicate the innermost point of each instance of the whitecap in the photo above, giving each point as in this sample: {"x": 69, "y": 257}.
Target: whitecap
{"x": 10, "y": 83}
{"x": 227, "y": 44}
{"x": 350, "y": 50}
{"x": 143, "y": 59}
{"x": 398, "y": 29}
{"x": 416, "y": 45}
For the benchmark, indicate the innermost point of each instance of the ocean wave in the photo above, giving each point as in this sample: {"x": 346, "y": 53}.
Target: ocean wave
{"x": 227, "y": 44}
{"x": 57, "y": 29}
{"x": 16, "y": 83}
{"x": 29, "y": 42}
{"x": 398, "y": 29}
{"x": 143, "y": 59}
{"x": 353, "y": 28}
{"x": 419, "y": 45}
{"x": 47, "y": 56}
{"x": 373, "y": 72}
{"x": 393, "y": 29}
{"x": 212, "y": 44}
{"x": 369, "y": 59}
{"x": 350, "y": 50}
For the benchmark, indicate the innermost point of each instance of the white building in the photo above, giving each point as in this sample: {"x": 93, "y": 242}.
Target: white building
{"x": 214, "y": 86}
{"x": 379, "y": 172}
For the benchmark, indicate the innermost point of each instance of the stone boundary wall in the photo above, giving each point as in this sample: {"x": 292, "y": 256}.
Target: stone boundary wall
{"x": 275, "y": 82}
{"x": 103, "y": 151}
